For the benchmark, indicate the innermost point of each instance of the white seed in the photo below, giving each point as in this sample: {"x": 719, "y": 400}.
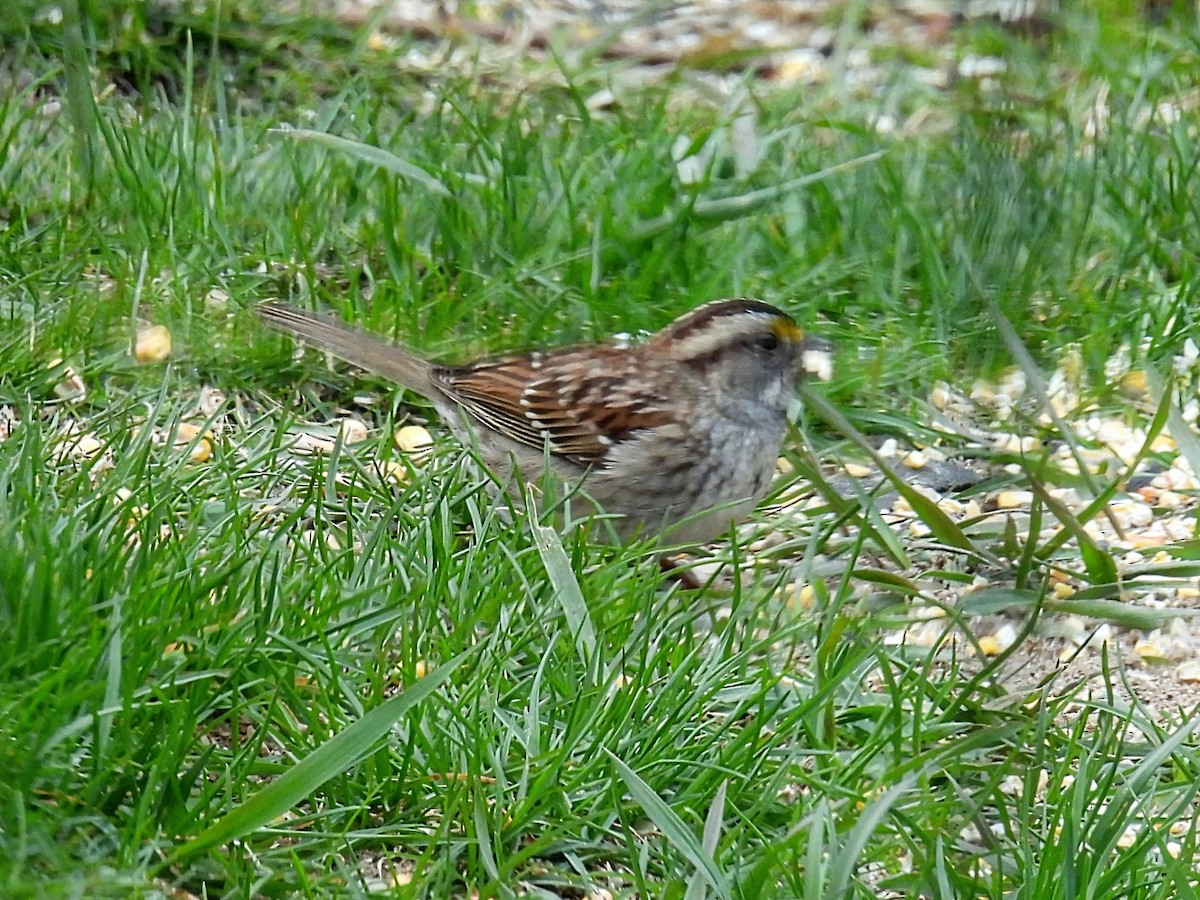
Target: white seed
{"x": 1188, "y": 672}
{"x": 352, "y": 430}
{"x": 72, "y": 386}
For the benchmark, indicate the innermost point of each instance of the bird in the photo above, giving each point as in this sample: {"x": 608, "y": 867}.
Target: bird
{"x": 673, "y": 438}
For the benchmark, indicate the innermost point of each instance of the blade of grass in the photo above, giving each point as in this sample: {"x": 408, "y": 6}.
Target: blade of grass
{"x": 727, "y": 208}
{"x": 335, "y": 756}
{"x": 673, "y": 828}
{"x": 370, "y": 154}
{"x": 711, "y": 836}
{"x": 566, "y": 585}
{"x": 940, "y": 525}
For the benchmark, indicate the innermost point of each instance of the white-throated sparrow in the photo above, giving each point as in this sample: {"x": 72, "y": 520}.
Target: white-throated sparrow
{"x": 677, "y": 436}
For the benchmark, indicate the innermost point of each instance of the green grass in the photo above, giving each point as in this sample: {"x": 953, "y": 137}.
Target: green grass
{"x": 264, "y": 673}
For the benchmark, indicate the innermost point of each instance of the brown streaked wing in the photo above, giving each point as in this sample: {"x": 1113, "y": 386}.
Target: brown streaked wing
{"x": 582, "y": 408}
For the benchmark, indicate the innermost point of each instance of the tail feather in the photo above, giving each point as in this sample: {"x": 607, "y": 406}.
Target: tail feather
{"x": 351, "y": 344}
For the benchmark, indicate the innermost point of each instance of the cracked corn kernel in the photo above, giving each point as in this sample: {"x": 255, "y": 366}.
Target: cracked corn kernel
{"x": 414, "y": 440}
{"x": 202, "y": 449}
{"x": 1014, "y": 499}
{"x": 352, "y": 430}
{"x": 989, "y": 645}
{"x": 993, "y": 644}
{"x": 393, "y": 471}
{"x": 806, "y": 597}
{"x": 1062, "y": 590}
{"x": 72, "y": 386}
{"x": 1149, "y": 651}
{"x": 153, "y": 344}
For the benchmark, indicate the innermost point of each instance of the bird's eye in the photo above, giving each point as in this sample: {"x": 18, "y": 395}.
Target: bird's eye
{"x": 768, "y": 343}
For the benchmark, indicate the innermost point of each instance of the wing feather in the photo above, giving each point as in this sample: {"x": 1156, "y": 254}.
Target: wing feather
{"x": 582, "y": 403}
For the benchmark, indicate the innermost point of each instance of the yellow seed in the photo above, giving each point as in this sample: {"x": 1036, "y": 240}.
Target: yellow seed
{"x": 1014, "y": 499}
{"x": 201, "y": 451}
{"x": 1148, "y": 650}
{"x": 854, "y": 470}
{"x": 1134, "y": 383}
{"x": 989, "y": 645}
{"x": 1189, "y": 671}
{"x": 940, "y": 395}
{"x": 393, "y": 471}
{"x": 87, "y": 447}
{"x": 414, "y": 440}
{"x": 153, "y": 344}
{"x": 1128, "y": 838}
{"x": 807, "y": 597}
{"x": 1062, "y": 590}
{"x": 420, "y": 668}
{"x": 307, "y": 443}
{"x": 72, "y": 386}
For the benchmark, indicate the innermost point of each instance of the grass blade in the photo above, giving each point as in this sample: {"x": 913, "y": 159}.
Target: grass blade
{"x": 566, "y": 587}
{"x": 332, "y": 758}
{"x": 673, "y": 827}
{"x": 372, "y": 155}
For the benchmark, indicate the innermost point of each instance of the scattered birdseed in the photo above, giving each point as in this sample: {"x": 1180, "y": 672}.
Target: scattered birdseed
{"x": 352, "y": 430}
{"x": 416, "y": 441}
{"x": 153, "y": 344}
